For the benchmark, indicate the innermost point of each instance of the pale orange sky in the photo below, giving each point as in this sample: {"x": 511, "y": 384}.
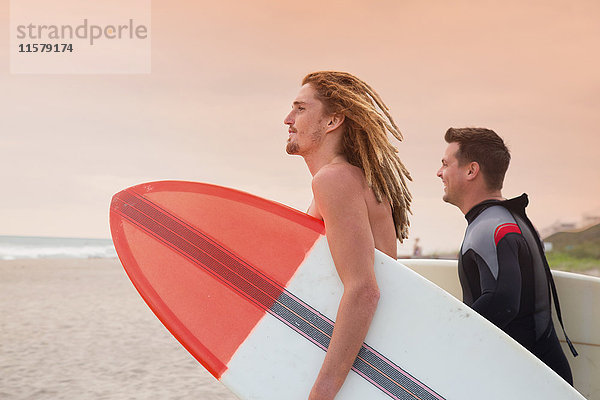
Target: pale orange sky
{"x": 224, "y": 75}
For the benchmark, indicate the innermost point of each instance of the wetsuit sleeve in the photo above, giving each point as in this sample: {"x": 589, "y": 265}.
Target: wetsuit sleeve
{"x": 501, "y": 296}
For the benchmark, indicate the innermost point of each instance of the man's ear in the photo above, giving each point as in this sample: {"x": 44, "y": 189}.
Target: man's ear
{"x": 473, "y": 170}
{"x": 335, "y": 121}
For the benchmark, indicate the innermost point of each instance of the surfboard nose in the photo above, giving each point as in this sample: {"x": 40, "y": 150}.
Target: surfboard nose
{"x": 203, "y": 284}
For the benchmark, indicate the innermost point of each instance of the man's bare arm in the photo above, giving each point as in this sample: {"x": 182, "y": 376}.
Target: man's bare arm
{"x": 339, "y": 197}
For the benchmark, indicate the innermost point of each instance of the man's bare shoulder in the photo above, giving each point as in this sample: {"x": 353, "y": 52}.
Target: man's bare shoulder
{"x": 341, "y": 178}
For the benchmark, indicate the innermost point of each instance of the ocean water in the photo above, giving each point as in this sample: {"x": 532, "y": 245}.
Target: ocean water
{"x": 19, "y": 247}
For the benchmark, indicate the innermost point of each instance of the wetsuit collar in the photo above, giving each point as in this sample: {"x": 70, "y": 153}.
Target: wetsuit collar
{"x": 516, "y": 205}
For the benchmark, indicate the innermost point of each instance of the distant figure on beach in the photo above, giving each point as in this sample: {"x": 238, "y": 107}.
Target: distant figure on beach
{"x": 417, "y": 250}
{"x": 339, "y": 125}
{"x": 502, "y": 267}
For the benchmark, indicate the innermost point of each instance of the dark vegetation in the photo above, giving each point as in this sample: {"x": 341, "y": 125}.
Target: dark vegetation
{"x": 575, "y": 251}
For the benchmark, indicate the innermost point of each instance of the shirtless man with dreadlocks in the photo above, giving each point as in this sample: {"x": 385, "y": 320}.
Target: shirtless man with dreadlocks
{"x": 339, "y": 125}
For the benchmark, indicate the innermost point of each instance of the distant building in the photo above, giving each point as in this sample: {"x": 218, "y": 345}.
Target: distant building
{"x": 590, "y": 219}
{"x": 558, "y": 226}
{"x": 564, "y": 237}
{"x": 587, "y": 220}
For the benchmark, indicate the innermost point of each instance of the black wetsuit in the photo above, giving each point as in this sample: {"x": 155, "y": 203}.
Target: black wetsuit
{"x": 505, "y": 277}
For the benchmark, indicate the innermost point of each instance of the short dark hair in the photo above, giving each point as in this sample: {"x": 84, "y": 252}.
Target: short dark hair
{"x": 486, "y": 148}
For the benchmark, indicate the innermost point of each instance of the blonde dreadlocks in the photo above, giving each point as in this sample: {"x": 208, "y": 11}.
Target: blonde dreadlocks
{"x": 365, "y": 142}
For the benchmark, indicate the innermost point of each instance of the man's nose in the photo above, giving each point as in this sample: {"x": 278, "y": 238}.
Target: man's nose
{"x": 288, "y": 119}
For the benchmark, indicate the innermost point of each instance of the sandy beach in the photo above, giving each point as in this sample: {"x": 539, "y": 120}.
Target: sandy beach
{"x": 77, "y": 329}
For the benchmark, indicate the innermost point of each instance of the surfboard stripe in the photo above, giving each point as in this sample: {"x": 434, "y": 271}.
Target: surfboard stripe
{"x": 264, "y": 293}
{"x": 194, "y": 253}
{"x": 212, "y": 247}
{"x": 225, "y": 266}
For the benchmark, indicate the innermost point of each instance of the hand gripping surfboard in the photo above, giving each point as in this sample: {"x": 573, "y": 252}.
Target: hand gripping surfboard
{"x": 249, "y": 288}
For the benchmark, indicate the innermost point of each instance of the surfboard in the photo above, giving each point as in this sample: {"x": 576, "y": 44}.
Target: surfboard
{"x": 578, "y": 295}
{"x": 249, "y": 288}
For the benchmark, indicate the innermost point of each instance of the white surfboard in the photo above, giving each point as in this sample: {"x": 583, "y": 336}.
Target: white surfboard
{"x": 579, "y": 297}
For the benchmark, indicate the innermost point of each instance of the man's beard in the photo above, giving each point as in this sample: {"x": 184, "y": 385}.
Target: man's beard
{"x": 292, "y": 148}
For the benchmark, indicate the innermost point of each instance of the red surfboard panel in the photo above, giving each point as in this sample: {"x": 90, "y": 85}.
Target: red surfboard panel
{"x": 221, "y": 236}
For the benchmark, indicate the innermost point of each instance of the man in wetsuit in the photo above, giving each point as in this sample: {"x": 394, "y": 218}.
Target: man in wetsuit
{"x": 340, "y": 126}
{"x": 502, "y": 268}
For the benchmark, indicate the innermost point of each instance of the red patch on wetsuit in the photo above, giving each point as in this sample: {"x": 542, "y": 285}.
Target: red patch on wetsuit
{"x": 503, "y": 230}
